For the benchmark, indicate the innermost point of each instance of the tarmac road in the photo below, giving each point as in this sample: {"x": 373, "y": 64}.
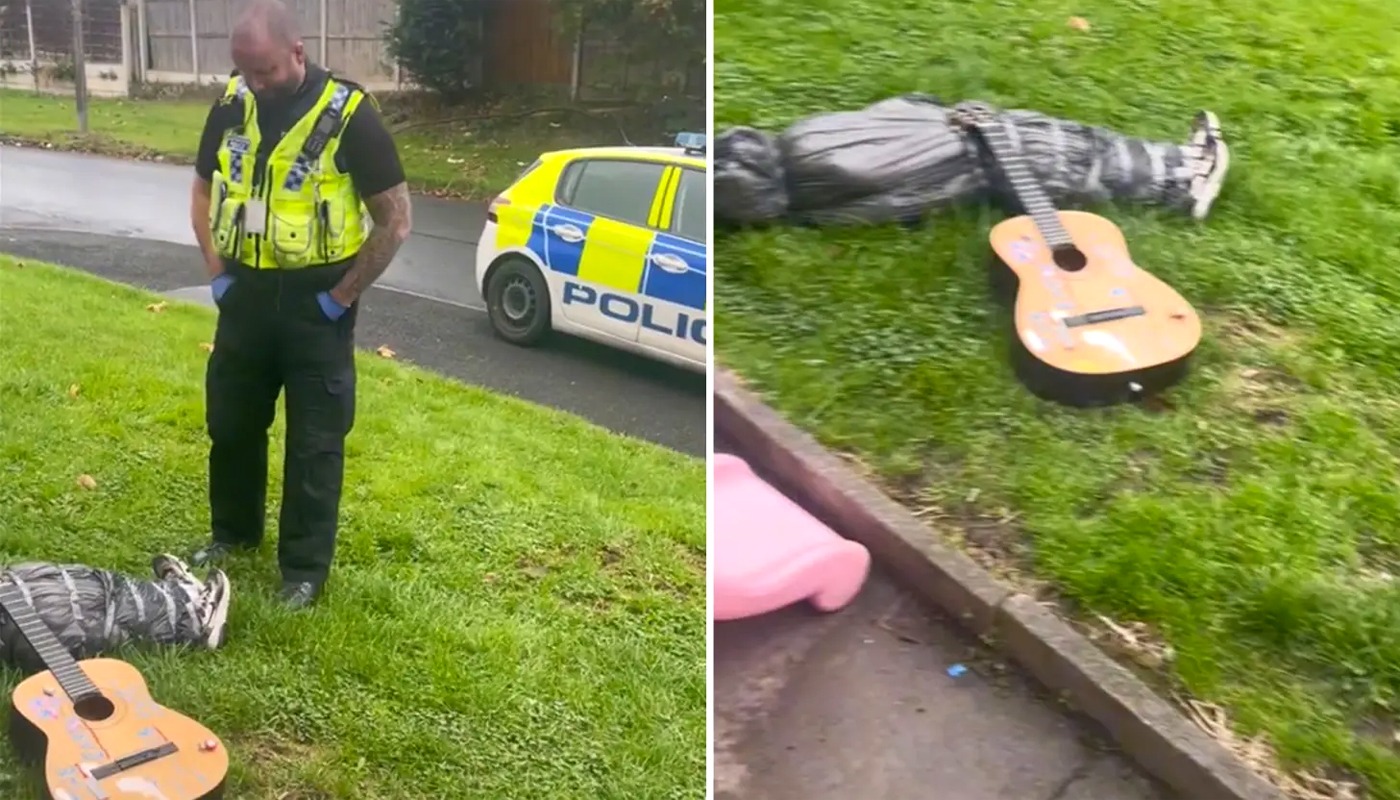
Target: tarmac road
{"x": 860, "y": 704}
{"x": 53, "y": 190}
{"x": 126, "y": 221}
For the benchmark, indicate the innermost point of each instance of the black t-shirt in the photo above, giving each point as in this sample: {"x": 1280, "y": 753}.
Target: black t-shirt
{"x": 366, "y": 151}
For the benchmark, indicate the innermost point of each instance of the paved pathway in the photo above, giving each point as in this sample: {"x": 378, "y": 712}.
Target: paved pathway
{"x": 859, "y": 704}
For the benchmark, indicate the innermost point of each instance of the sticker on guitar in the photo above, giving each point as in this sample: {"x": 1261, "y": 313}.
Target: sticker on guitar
{"x": 1023, "y": 249}
{"x": 46, "y": 707}
{"x": 141, "y": 787}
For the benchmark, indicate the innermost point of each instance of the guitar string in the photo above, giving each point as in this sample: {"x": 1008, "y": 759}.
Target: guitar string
{"x": 1030, "y": 192}
{"x": 71, "y": 678}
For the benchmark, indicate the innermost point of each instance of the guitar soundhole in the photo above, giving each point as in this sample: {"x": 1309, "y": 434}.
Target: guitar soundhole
{"x": 1070, "y": 259}
{"x": 94, "y": 709}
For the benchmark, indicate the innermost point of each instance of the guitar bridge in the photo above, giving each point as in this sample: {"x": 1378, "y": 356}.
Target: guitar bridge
{"x": 134, "y": 760}
{"x": 1095, "y": 317}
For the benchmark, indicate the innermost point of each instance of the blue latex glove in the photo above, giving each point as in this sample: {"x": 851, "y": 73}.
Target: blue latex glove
{"x": 220, "y": 285}
{"x": 330, "y": 307}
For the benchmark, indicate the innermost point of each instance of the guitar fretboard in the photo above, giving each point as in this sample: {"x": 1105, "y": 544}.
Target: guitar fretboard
{"x": 1027, "y": 188}
{"x": 56, "y": 658}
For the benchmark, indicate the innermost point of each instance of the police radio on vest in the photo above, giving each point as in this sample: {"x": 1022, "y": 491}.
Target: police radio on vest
{"x": 628, "y": 310}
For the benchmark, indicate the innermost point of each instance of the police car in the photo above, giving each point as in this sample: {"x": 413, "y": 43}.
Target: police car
{"x": 606, "y": 243}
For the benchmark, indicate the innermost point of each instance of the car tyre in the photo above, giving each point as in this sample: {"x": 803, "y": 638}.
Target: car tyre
{"x": 517, "y": 302}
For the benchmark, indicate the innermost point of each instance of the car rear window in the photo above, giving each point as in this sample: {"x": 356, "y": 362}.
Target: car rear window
{"x": 622, "y": 190}
{"x": 688, "y": 219}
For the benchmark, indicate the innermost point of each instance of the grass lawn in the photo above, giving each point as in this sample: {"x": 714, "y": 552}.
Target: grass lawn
{"x": 518, "y": 607}
{"x": 441, "y": 159}
{"x": 1255, "y": 522}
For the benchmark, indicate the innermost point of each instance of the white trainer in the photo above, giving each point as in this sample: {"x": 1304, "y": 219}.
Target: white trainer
{"x": 212, "y": 608}
{"x": 210, "y": 597}
{"x": 1209, "y": 161}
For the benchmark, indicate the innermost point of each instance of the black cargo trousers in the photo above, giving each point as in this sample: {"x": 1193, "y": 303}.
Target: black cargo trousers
{"x": 272, "y": 336}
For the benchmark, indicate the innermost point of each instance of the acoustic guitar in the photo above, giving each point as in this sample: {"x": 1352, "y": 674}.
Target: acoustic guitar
{"x": 1092, "y": 328}
{"x": 96, "y": 730}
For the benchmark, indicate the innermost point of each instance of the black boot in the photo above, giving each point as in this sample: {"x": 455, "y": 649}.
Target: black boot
{"x": 300, "y": 594}
{"x": 214, "y": 553}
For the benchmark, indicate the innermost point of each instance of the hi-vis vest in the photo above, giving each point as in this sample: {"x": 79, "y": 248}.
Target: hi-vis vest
{"x": 311, "y": 213}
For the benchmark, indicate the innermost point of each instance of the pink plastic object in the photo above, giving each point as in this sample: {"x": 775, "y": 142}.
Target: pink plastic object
{"x": 770, "y": 553}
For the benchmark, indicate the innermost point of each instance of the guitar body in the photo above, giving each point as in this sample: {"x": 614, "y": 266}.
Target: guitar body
{"x": 1092, "y": 328}
{"x": 1100, "y": 332}
{"x": 164, "y": 755}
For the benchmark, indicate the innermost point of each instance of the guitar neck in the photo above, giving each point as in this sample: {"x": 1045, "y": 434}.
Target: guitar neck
{"x": 1027, "y": 188}
{"x": 51, "y": 651}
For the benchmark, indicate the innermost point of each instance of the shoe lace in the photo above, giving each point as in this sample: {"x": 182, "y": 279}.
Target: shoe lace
{"x": 202, "y": 602}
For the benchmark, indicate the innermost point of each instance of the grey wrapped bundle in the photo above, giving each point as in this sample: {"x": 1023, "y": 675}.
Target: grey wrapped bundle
{"x": 95, "y": 611}
{"x": 750, "y": 187}
{"x": 898, "y": 159}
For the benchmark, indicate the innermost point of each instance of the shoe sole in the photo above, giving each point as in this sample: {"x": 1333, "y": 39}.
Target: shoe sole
{"x": 1206, "y": 133}
{"x": 218, "y": 618}
{"x": 1214, "y": 181}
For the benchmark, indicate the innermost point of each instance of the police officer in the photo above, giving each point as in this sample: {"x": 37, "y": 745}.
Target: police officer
{"x": 294, "y": 165}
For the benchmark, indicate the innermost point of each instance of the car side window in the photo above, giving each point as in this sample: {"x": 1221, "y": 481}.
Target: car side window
{"x": 688, "y": 216}
{"x": 622, "y": 190}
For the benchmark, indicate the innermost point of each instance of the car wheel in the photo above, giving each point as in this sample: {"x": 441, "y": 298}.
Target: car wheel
{"x": 517, "y": 301}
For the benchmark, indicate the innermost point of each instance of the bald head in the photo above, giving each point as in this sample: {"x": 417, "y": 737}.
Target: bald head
{"x": 267, "y": 49}
{"x": 266, "y": 20}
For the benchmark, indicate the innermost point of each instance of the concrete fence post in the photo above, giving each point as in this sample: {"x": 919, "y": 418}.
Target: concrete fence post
{"x": 143, "y": 41}
{"x": 33, "y": 50}
{"x": 194, "y": 43}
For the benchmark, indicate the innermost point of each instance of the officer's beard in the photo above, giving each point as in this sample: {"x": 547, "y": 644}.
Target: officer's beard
{"x": 276, "y": 94}
{"x": 282, "y": 93}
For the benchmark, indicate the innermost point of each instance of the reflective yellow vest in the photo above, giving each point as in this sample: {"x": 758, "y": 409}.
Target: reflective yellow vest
{"x": 311, "y": 213}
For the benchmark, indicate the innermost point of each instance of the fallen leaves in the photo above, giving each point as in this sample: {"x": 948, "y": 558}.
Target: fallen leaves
{"x": 1079, "y": 23}
{"x": 156, "y": 308}
{"x": 1258, "y": 752}
{"x": 384, "y": 351}
{"x": 207, "y": 347}
{"x": 1139, "y": 642}
{"x": 73, "y": 391}
{"x": 86, "y": 481}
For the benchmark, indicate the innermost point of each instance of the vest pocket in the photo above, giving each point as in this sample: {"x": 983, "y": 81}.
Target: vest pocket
{"x": 331, "y": 217}
{"x": 335, "y": 201}
{"x": 224, "y": 217}
{"x": 293, "y": 232}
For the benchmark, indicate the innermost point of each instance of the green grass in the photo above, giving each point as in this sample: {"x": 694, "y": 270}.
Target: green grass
{"x": 442, "y": 159}
{"x": 517, "y": 609}
{"x": 1256, "y": 523}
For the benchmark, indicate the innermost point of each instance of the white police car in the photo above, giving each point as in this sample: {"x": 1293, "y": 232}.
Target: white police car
{"x": 606, "y": 243}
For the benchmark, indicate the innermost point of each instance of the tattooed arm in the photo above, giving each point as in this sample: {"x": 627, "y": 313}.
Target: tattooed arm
{"x": 393, "y": 221}
{"x": 372, "y": 159}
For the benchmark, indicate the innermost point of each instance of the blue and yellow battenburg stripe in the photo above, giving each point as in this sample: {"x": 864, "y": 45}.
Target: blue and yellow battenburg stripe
{"x": 599, "y": 258}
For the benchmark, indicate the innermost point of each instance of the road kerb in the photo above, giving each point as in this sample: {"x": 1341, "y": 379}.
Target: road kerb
{"x": 1148, "y": 729}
